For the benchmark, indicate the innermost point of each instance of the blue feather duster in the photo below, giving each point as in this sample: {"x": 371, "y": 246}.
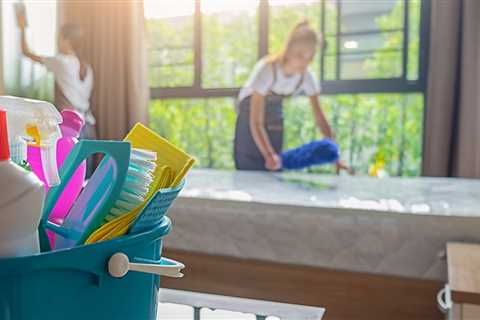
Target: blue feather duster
{"x": 317, "y": 152}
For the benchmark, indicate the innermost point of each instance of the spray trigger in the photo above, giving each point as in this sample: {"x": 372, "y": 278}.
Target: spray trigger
{"x": 33, "y": 132}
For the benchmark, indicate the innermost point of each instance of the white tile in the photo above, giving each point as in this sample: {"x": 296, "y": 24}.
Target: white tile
{"x": 207, "y": 314}
{"x": 170, "y": 311}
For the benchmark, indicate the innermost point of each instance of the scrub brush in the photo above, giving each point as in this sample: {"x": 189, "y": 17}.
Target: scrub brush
{"x": 137, "y": 184}
{"x": 163, "y": 178}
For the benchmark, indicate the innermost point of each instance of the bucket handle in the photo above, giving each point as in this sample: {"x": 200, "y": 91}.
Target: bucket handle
{"x": 119, "y": 265}
{"x": 444, "y": 299}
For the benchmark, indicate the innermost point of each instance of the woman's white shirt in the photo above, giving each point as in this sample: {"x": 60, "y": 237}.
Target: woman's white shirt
{"x": 66, "y": 69}
{"x": 262, "y": 78}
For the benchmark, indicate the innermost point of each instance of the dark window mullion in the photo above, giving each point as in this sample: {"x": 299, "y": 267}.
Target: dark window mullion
{"x": 354, "y": 86}
{"x": 366, "y": 32}
{"x": 405, "y": 39}
{"x": 365, "y": 52}
{"x": 339, "y": 19}
{"x": 324, "y": 41}
{"x": 424, "y": 40}
{"x": 263, "y": 22}
{"x": 197, "y": 42}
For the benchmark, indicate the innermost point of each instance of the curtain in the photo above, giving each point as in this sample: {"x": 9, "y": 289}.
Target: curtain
{"x": 452, "y": 131}
{"x": 114, "y": 44}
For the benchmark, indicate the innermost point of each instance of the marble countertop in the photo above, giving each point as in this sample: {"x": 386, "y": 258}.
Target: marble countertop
{"x": 391, "y": 226}
{"x": 429, "y": 196}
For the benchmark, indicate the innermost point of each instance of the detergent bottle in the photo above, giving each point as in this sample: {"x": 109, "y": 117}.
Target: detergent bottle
{"x": 21, "y": 203}
{"x": 71, "y": 126}
{"x": 37, "y": 121}
{"x": 377, "y": 169}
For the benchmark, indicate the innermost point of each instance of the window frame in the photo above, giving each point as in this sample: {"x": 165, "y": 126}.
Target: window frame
{"x": 397, "y": 85}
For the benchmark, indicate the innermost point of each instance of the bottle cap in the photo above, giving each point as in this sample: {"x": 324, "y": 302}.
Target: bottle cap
{"x": 72, "y": 123}
{"x": 4, "y": 149}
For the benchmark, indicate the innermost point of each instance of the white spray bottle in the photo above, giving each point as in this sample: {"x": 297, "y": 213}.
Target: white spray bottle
{"x": 33, "y": 120}
{"x": 21, "y": 203}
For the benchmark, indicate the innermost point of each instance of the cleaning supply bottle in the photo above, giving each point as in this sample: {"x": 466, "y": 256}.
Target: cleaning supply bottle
{"x": 21, "y": 203}
{"x": 70, "y": 127}
{"x": 377, "y": 169}
{"x": 35, "y": 119}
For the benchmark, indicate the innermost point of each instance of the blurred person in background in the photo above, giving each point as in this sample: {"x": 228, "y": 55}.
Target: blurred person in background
{"x": 73, "y": 75}
{"x": 259, "y": 127}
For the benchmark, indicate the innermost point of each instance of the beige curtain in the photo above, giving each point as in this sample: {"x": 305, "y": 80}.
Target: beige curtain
{"x": 114, "y": 45}
{"x": 452, "y": 131}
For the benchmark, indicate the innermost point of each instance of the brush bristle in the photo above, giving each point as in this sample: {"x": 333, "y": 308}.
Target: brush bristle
{"x": 137, "y": 183}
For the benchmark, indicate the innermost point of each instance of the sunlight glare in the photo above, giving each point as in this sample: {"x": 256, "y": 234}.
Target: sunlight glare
{"x": 155, "y": 9}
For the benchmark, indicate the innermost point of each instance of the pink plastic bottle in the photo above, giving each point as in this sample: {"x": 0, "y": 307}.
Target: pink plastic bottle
{"x": 71, "y": 126}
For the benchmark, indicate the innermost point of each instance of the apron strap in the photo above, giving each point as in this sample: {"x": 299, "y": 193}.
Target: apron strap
{"x": 274, "y": 78}
{"x": 299, "y": 84}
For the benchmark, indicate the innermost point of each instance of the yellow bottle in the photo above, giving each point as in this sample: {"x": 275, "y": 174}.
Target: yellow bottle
{"x": 377, "y": 169}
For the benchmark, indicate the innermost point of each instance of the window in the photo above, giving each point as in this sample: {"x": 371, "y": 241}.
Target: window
{"x": 370, "y": 46}
{"x": 23, "y": 77}
{"x": 367, "y": 127}
{"x": 366, "y": 30}
{"x": 170, "y": 43}
{"x": 204, "y": 127}
{"x": 230, "y": 39}
{"x": 373, "y": 46}
{"x": 372, "y": 73}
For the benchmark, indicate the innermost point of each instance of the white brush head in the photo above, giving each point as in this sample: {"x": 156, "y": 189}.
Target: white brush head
{"x": 137, "y": 183}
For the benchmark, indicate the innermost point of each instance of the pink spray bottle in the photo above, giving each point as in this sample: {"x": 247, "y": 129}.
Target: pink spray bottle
{"x": 70, "y": 127}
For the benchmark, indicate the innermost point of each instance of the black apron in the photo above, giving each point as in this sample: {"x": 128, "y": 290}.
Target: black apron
{"x": 246, "y": 153}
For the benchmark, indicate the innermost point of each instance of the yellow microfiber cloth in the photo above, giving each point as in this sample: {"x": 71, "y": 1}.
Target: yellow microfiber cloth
{"x": 172, "y": 166}
{"x": 167, "y": 154}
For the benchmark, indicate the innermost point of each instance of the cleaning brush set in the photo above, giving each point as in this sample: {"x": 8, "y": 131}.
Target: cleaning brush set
{"x": 124, "y": 201}
{"x": 133, "y": 177}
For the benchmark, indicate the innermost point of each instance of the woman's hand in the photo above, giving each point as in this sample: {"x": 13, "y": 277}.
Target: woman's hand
{"x": 342, "y": 166}
{"x": 329, "y": 134}
{"x": 22, "y": 23}
{"x": 273, "y": 162}
{"x": 21, "y": 19}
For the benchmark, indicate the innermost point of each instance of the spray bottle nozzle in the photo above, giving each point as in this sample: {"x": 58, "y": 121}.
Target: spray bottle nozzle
{"x": 48, "y": 154}
{"x": 39, "y": 120}
{"x": 33, "y": 132}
